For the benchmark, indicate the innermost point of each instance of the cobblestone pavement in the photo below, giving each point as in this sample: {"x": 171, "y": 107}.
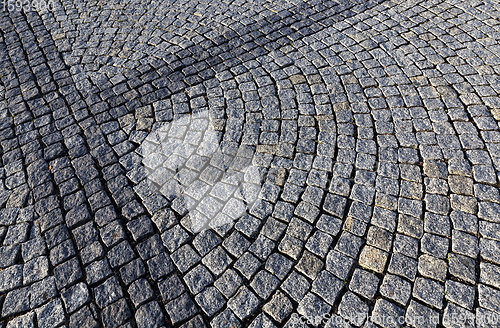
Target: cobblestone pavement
{"x": 373, "y": 125}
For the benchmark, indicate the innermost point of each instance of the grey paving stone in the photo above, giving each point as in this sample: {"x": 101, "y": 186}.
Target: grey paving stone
{"x": 181, "y": 308}
{"x": 488, "y": 297}
{"x": 50, "y": 314}
{"x": 16, "y": 301}
{"x": 171, "y": 288}
{"x": 396, "y": 289}
{"x": 264, "y": 283}
{"x": 247, "y": 265}
{"x": 67, "y": 273}
{"x": 210, "y": 300}
{"x": 429, "y": 291}
{"x": 387, "y": 314}
{"x": 309, "y": 265}
{"x": 97, "y": 271}
{"x": 108, "y": 292}
{"x": 278, "y": 265}
{"x": 455, "y": 316}
{"x": 319, "y": 243}
{"x": 9, "y": 255}
{"x": 352, "y": 308}
{"x": 228, "y": 283}
{"x": 132, "y": 271}
{"x": 26, "y": 320}
{"x": 462, "y": 267}
{"x": 35, "y": 269}
{"x": 296, "y": 286}
{"x": 460, "y": 294}
{"x": 160, "y": 266}
{"x": 421, "y": 316}
{"x": 490, "y": 274}
{"x": 243, "y": 303}
{"x": 149, "y": 315}
{"x": 116, "y": 314}
{"x": 279, "y": 307}
{"x": 327, "y": 286}
{"x": 185, "y": 257}
{"x": 225, "y": 319}
{"x": 42, "y": 291}
{"x": 75, "y": 297}
{"x": 197, "y": 279}
{"x": 140, "y": 291}
{"x": 339, "y": 264}
{"x": 431, "y": 267}
{"x": 313, "y": 308}
{"x": 11, "y": 277}
{"x": 434, "y": 245}
{"x": 364, "y": 283}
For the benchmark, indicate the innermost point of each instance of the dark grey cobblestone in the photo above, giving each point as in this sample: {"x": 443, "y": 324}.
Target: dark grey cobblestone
{"x": 350, "y": 177}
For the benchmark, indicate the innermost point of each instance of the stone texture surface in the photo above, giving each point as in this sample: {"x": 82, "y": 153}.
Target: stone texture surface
{"x": 371, "y": 127}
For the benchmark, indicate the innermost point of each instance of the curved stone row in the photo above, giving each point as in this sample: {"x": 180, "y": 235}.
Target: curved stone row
{"x": 373, "y": 127}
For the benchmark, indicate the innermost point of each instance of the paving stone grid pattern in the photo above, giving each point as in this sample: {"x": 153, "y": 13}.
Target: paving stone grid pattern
{"x": 374, "y": 123}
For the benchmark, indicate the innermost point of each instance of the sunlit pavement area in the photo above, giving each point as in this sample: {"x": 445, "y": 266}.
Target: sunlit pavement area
{"x": 250, "y": 163}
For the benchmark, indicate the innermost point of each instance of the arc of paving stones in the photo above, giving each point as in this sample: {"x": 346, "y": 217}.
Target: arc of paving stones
{"x": 375, "y": 127}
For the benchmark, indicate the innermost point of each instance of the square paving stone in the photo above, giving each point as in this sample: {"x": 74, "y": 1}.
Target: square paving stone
{"x": 243, "y": 303}
{"x": 51, "y": 314}
{"x": 160, "y": 266}
{"x": 149, "y": 315}
{"x": 421, "y": 316}
{"x": 264, "y": 283}
{"x": 364, "y": 283}
{"x": 327, "y": 286}
{"x": 185, "y": 257}
{"x": 279, "y": 307}
{"x": 247, "y": 265}
{"x": 396, "y": 289}
{"x": 228, "y": 283}
{"x": 462, "y": 267}
{"x": 319, "y": 243}
{"x": 140, "y": 291}
{"x": 431, "y": 267}
{"x": 489, "y": 298}
{"x": 16, "y": 301}
{"x": 108, "y": 292}
{"x": 460, "y": 294}
{"x": 171, "y": 288}
{"x": 42, "y": 291}
{"x": 309, "y": 265}
{"x": 132, "y": 271}
{"x": 75, "y": 297}
{"x": 181, "y": 308}
{"x": 67, "y": 273}
{"x": 490, "y": 274}
{"x": 429, "y": 291}
{"x": 353, "y": 309}
{"x": 313, "y": 308}
{"x": 387, "y": 314}
{"x": 197, "y": 279}
{"x": 116, "y": 314}
{"x": 225, "y": 319}
{"x": 210, "y": 300}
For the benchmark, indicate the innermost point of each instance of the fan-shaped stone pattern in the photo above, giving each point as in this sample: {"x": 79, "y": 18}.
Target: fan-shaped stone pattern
{"x": 373, "y": 126}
